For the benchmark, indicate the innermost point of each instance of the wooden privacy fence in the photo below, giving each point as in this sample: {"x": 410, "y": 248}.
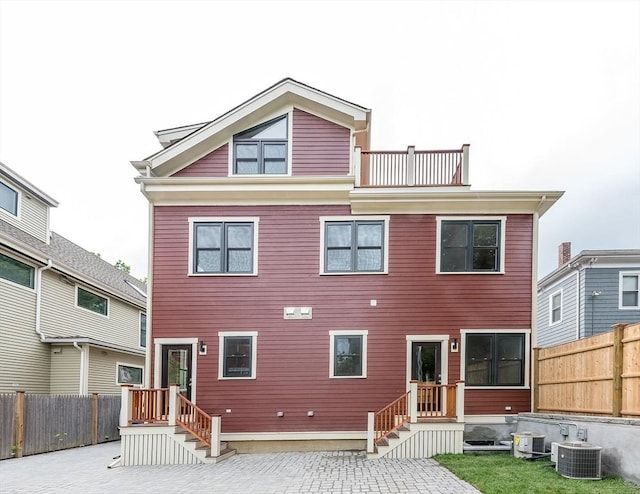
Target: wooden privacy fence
{"x": 599, "y": 375}
{"x": 34, "y": 423}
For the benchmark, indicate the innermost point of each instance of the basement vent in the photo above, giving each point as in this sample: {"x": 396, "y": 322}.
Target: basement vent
{"x": 578, "y": 460}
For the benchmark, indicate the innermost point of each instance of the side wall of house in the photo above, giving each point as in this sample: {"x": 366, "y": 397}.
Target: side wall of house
{"x": 293, "y": 357}
{"x": 65, "y": 370}
{"x": 62, "y": 317}
{"x": 33, "y": 215}
{"x": 24, "y": 360}
{"x": 102, "y": 369}
{"x": 567, "y": 328}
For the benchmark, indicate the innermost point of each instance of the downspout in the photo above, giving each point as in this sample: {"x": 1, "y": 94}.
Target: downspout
{"x": 83, "y": 359}
{"x": 39, "y": 296}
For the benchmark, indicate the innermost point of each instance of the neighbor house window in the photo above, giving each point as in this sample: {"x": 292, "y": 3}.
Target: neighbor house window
{"x": 129, "y": 374}
{"x": 262, "y": 150}
{"x": 223, "y": 246}
{"x": 630, "y": 290}
{"x": 92, "y": 301}
{"x": 8, "y": 199}
{"x": 348, "y": 353}
{"x": 471, "y": 245}
{"x": 556, "y": 307}
{"x": 16, "y": 271}
{"x": 354, "y": 245}
{"x": 495, "y": 359}
{"x": 143, "y": 330}
{"x": 237, "y": 357}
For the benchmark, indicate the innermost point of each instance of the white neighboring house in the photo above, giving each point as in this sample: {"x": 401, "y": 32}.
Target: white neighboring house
{"x": 70, "y": 323}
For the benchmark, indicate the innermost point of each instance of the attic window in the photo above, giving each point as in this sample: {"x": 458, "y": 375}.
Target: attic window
{"x": 262, "y": 150}
{"x": 8, "y": 199}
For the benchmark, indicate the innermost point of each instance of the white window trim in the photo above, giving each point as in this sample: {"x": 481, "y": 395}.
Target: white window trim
{"x": 503, "y": 242}
{"x": 140, "y": 314}
{"x": 18, "y": 285}
{"x": 254, "y": 353}
{"x": 627, "y": 307}
{"x": 346, "y": 332}
{"x": 551, "y": 321}
{"x": 527, "y": 355}
{"x": 3, "y": 211}
{"x": 224, "y": 219}
{"x": 86, "y": 289}
{"x": 126, "y": 364}
{"x": 385, "y": 258}
{"x": 289, "y": 113}
{"x": 443, "y": 339}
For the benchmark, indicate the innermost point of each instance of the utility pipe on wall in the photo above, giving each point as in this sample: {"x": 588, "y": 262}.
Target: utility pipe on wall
{"x": 83, "y": 363}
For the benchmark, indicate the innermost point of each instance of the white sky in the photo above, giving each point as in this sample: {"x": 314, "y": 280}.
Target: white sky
{"x": 547, "y": 94}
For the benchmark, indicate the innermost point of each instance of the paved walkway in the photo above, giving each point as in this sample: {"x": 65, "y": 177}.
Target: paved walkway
{"x": 84, "y": 470}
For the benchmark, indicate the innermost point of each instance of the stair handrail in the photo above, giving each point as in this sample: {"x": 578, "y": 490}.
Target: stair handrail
{"x": 391, "y": 417}
{"x": 193, "y": 419}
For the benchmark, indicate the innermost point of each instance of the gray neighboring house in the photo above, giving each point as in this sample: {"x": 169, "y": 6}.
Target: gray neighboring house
{"x": 587, "y": 294}
{"x": 70, "y": 323}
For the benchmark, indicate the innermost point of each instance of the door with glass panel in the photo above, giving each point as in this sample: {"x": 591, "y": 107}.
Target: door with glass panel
{"x": 425, "y": 368}
{"x": 176, "y": 368}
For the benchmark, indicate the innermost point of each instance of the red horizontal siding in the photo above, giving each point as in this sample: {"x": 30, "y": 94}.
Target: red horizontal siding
{"x": 320, "y": 147}
{"x": 214, "y": 164}
{"x": 293, "y": 355}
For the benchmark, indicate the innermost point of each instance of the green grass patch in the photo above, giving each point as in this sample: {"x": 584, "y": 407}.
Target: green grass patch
{"x": 504, "y": 474}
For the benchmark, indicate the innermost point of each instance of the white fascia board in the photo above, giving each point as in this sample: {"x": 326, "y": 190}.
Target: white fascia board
{"x": 449, "y": 200}
{"x": 96, "y": 343}
{"x": 27, "y": 186}
{"x": 204, "y": 140}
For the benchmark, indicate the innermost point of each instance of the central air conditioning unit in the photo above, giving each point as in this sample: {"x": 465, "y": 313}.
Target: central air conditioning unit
{"x": 526, "y": 444}
{"x": 578, "y": 460}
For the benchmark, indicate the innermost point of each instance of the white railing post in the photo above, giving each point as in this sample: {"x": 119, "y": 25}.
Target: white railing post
{"x": 357, "y": 164}
{"x": 125, "y": 405}
{"x": 173, "y": 404}
{"x": 215, "y": 435}
{"x": 460, "y": 401}
{"x": 411, "y": 151}
{"x": 371, "y": 416}
{"x": 413, "y": 402}
{"x": 465, "y": 164}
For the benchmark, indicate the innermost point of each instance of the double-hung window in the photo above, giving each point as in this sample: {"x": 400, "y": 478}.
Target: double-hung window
{"x": 495, "y": 359}
{"x": 92, "y": 301}
{"x": 348, "y": 353}
{"x": 629, "y": 290}
{"x": 16, "y": 272}
{"x": 471, "y": 245}
{"x": 8, "y": 199}
{"x": 555, "y": 314}
{"x": 223, "y": 246}
{"x": 262, "y": 150}
{"x": 237, "y": 355}
{"x": 354, "y": 245}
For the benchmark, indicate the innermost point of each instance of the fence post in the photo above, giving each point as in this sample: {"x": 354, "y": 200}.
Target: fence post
{"x": 536, "y": 380}
{"x": 18, "y": 431}
{"x": 616, "y": 402}
{"x": 370, "y": 432}
{"x": 94, "y": 418}
{"x": 125, "y": 405}
{"x": 173, "y": 404}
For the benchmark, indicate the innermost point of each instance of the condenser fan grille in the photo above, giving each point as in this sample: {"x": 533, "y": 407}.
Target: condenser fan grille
{"x": 577, "y": 460}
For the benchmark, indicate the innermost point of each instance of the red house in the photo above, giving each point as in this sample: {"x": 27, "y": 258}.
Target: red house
{"x": 300, "y": 281}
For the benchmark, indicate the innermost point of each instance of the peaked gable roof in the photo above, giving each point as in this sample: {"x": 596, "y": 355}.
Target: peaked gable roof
{"x": 186, "y": 144}
{"x": 23, "y": 183}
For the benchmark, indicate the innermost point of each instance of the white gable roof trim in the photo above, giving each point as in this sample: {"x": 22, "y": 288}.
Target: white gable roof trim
{"x": 27, "y": 186}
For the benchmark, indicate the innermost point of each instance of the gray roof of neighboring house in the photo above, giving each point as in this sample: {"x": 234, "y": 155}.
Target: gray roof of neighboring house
{"x": 71, "y": 258}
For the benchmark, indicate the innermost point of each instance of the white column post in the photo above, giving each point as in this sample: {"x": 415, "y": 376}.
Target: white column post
{"x": 413, "y": 402}
{"x": 465, "y": 164}
{"x": 357, "y": 164}
{"x": 411, "y": 150}
{"x": 371, "y": 432}
{"x": 215, "y": 435}
{"x": 173, "y": 404}
{"x": 125, "y": 405}
{"x": 460, "y": 401}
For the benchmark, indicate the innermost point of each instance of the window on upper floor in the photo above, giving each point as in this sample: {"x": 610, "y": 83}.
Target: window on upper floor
{"x": 223, "y": 246}
{"x": 17, "y": 272}
{"x": 143, "y": 330}
{"x": 555, "y": 307}
{"x": 129, "y": 374}
{"x": 237, "y": 355}
{"x": 348, "y": 351}
{"x": 8, "y": 199}
{"x": 629, "y": 290}
{"x": 470, "y": 245}
{"x": 495, "y": 359}
{"x": 262, "y": 150}
{"x": 354, "y": 245}
{"x": 92, "y": 301}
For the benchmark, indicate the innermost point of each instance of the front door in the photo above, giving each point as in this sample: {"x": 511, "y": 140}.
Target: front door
{"x": 176, "y": 368}
{"x": 425, "y": 361}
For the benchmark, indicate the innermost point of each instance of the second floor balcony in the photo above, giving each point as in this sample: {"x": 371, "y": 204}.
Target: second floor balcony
{"x": 411, "y": 168}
